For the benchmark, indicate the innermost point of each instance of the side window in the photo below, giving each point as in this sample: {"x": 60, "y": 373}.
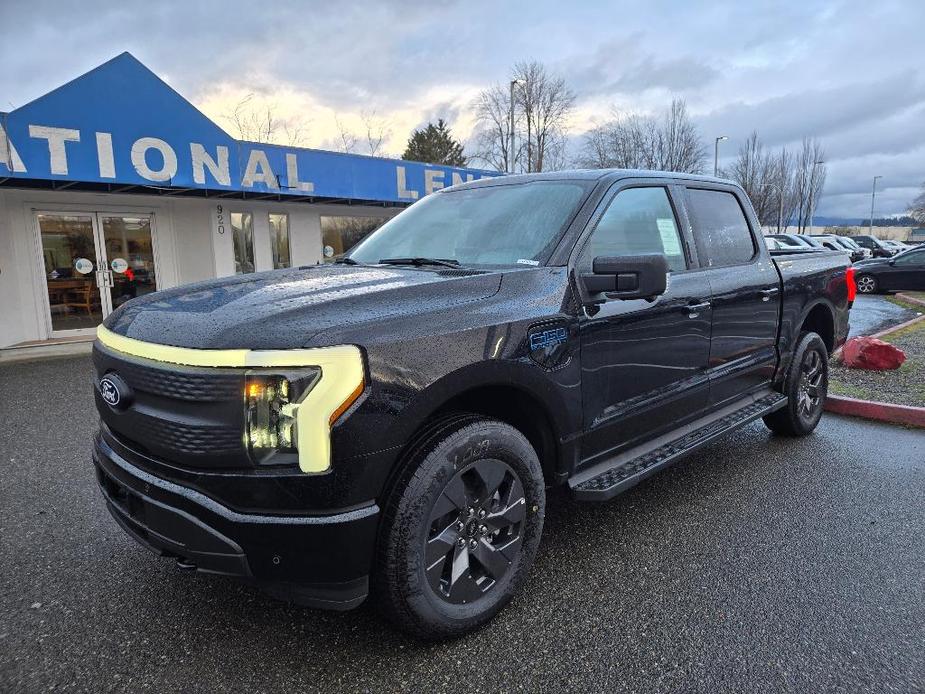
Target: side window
{"x": 913, "y": 259}
{"x": 637, "y": 221}
{"x": 720, "y": 229}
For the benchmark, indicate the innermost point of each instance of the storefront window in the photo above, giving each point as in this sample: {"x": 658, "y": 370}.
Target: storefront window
{"x": 242, "y": 227}
{"x": 279, "y": 240}
{"x": 340, "y": 234}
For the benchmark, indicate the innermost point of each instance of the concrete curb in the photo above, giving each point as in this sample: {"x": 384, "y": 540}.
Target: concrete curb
{"x": 910, "y": 299}
{"x": 879, "y": 411}
{"x": 893, "y": 329}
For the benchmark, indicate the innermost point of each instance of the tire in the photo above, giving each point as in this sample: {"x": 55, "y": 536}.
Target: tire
{"x": 866, "y": 284}
{"x": 805, "y": 386}
{"x": 425, "y": 581}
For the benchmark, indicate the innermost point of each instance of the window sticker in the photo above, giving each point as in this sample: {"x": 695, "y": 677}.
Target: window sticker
{"x": 119, "y": 265}
{"x": 83, "y": 266}
{"x": 666, "y": 229}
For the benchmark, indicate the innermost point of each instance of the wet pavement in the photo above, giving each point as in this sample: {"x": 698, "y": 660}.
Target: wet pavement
{"x": 871, "y": 314}
{"x": 760, "y": 564}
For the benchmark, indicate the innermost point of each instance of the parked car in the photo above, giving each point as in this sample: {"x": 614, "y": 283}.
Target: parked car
{"x": 792, "y": 241}
{"x": 395, "y": 419}
{"x": 874, "y": 245}
{"x": 905, "y": 271}
{"x": 897, "y": 246}
{"x": 849, "y": 243}
{"x": 842, "y": 244}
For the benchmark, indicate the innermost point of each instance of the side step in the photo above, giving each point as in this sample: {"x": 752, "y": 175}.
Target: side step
{"x": 607, "y": 479}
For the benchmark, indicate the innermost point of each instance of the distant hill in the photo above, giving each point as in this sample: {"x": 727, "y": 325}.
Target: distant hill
{"x": 857, "y": 221}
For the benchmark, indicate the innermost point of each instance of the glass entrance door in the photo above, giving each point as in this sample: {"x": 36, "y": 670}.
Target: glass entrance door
{"x": 130, "y": 257}
{"x": 93, "y": 263}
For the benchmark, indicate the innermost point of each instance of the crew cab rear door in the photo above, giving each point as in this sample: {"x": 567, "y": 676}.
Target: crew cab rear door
{"x": 643, "y": 363}
{"x": 745, "y": 289}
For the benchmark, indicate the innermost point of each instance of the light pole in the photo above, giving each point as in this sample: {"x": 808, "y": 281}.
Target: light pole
{"x": 716, "y": 154}
{"x": 514, "y": 83}
{"x": 873, "y": 194}
{"x": 812, "y": 203}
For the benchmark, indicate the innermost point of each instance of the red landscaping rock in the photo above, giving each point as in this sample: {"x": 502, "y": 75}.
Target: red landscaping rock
{"x": 871, "y": 354}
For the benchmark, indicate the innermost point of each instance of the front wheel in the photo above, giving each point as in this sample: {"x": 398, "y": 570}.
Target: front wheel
{"x": 805, "y": 386}
{"x": 866, "y": 284}
{"x": 461, "y": 528}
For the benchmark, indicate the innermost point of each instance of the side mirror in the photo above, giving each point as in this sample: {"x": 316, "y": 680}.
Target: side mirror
{"x": 628, "y": 277}
{"x": 892, "y": 261}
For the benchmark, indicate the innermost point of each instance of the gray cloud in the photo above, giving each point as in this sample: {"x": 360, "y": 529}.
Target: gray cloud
{"x": 845, "y": 72}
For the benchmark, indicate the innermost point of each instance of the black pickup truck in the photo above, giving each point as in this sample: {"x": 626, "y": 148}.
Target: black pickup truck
{"x": 390, "y": 422}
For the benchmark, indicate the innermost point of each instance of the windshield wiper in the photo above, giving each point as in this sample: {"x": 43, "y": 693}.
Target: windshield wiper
{"x": 445, "y": 262}
{"x": 345, "y": 261}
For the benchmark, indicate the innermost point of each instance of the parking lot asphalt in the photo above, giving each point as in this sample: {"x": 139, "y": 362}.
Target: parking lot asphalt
{"x": 870, "y": 314}
{"x": 760, "y": 564}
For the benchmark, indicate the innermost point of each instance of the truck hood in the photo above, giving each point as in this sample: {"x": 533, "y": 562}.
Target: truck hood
{"x": 286, "y": 309}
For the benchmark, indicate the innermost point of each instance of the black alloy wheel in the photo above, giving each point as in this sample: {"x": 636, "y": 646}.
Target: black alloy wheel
{"x": 809, "y": 398}
{"x": 460, "y": 528}
{"x": 805, "y": 386}
{"x": 475, "y": 531}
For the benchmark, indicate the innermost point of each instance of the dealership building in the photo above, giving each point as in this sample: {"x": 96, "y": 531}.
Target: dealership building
{"x": 113, "y": 186}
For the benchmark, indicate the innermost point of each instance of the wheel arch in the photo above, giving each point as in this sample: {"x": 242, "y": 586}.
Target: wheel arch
{"x": 519, "y": 395}
{"x": 820, "y": 319}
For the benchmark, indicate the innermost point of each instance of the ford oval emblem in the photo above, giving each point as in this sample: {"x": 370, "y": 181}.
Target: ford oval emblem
{"x": 114, "y": 391}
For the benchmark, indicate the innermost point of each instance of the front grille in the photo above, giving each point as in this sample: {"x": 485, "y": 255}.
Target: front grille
{"x": 191, "y": 416}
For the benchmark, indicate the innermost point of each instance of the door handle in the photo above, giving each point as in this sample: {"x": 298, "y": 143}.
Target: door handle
{"x": 766, "y": 294}
{"x": 693, "y": 310}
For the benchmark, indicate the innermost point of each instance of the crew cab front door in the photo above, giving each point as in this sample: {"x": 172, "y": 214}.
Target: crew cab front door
{"x": 643, "y": 363}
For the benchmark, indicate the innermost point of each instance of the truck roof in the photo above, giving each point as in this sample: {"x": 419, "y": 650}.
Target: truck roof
{"x": 587, "y": 175}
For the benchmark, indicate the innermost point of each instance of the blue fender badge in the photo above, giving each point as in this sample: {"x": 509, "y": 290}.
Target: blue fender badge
{"x": 548, "y": 338}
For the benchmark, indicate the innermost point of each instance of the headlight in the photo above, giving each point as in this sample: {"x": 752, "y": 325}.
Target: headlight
{"x": 271, "y": 400}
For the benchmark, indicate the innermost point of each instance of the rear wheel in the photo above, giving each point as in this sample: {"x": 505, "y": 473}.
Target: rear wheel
{"x": 461, "y": 528}
{"x": 866, "y": 284}
{"x": 805, "y": 386}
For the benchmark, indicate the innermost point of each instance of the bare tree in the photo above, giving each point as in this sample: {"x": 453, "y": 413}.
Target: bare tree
{"x": 255, "y": 120}
{"x": 917, "y": 208}
{"x": 542, "y": 105}
{"x": 809, "y": 181}
{"x": 376, "y": 132}
{"x": 766, "y": 179}
{"x": 634, "y": 141}
{"x": 492, "y": 141}
{"x": 348, "y": 141}
{"x": 545, "y": 103}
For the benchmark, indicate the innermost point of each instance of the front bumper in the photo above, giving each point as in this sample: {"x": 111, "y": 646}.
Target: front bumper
{"x": 320, "y": 561}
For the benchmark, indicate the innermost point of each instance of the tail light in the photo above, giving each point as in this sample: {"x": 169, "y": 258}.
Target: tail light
{"x": 849, "y": 280}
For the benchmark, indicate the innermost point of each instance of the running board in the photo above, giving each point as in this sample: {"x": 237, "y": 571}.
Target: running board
{"x": 607, "y": 479}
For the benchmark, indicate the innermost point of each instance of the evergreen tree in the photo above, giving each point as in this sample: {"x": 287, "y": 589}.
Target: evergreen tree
{"x": 435, "y": 145}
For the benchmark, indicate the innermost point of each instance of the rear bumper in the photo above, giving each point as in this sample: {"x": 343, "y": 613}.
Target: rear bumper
{"x": 320, "y": 561}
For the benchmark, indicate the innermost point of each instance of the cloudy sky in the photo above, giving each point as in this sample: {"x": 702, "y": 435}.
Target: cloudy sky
{"x": 849, "y": 73}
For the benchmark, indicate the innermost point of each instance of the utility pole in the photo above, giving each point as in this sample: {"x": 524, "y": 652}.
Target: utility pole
{"x": 873, "y": 195}
{"x": 716, "y": 154}
{"x": 510, "y": 154}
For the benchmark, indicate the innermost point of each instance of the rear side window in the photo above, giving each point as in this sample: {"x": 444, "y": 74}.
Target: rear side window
{"x": 721, "y": 231}
{"x": 638, "y": 221}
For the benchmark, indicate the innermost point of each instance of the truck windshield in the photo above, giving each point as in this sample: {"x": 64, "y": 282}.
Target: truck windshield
{"x": 494, "y": 225}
